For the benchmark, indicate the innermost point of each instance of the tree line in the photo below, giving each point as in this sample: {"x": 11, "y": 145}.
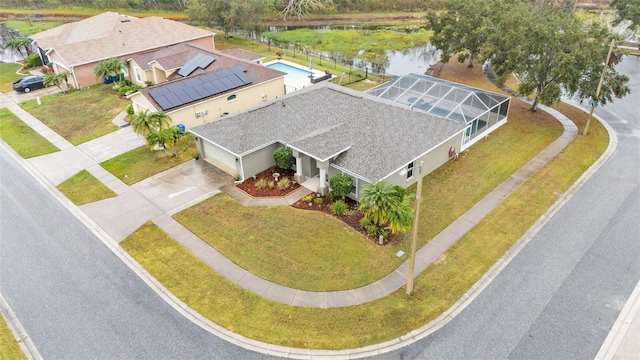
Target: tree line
{"x": 552, "y": 52}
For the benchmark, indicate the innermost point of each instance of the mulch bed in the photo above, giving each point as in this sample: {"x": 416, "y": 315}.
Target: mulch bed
{"x": 352, "y": 217}
{"x": 249, "y": 185}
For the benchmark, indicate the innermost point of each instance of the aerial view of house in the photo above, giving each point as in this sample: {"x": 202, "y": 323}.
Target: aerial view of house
{"x": 79, "y": 46}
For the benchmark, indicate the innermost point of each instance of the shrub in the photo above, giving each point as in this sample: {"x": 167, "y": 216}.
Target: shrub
{"x": 332, "y": 196}
{"x": 148, "y": 83}
{"x": 283, "y": 157}
{"x": 271, "y": 184}
{"x": 364, "y": 222}
{"x": 116, "y": 87}
{"x": 129, "y": 109}
{"x": 341, "y": 184}
{"x": 308, "y": 198}
{"x": 318, "y": 201}
{"x": 261, "y": 184}
{"x": 371, "y": 229}
{"x": 284, "y": 183}
{"x": 32, "y": 61}
{"x": 123, "y": 90}
{"x": 339, "y": 207}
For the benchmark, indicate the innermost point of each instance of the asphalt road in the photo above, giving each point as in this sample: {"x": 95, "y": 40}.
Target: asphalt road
{"x": 75, "y": 298}
{"x": 560, "y": 296}
{"x": 557, "y": 299}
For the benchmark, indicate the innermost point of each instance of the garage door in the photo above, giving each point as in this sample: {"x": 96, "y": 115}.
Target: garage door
{"x": 219, "y": 157}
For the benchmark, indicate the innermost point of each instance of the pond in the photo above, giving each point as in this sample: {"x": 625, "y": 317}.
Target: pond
{"x": 413, "y": 52}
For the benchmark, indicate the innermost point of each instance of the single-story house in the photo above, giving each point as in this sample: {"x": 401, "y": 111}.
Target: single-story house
{"x": 203, "y": 84}
{"x": 332, "y": 130}
{"x": 78, "y": 47}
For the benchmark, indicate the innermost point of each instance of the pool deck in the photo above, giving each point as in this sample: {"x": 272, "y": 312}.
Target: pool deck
{"x": 293, "y": 84}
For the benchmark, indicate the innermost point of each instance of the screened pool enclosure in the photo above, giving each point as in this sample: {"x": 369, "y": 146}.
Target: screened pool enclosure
{"x": 482, "y": 110}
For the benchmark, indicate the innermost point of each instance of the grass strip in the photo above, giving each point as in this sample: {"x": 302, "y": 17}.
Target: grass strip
{"x": 79, "y": 115}
{"x": 84, "y": 188}
{"x": 9, "y": 348}
{"x": 276, "y": 242}
{"x": 141, "y": 163}
{"x": 22, "y": 138}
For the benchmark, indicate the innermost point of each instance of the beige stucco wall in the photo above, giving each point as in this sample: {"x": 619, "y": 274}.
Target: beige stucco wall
{"x": 213, "y": 109}
{"x": 84, "y": 75}
{"x": 259, "y": 160}
{"x": 140, "y": 103}
{"x": 432, "y": 160}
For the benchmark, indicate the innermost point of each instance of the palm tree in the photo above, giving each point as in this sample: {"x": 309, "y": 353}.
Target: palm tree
{"x": 55, "y": 79}
{"x": 401, "y": 217}
{"x": 109, "y": 67}
{"x": 19, "y": 43}
{"x": 378, "y": 201}
{"x": 166, "y": 139}
{"x": 144, "y": 123}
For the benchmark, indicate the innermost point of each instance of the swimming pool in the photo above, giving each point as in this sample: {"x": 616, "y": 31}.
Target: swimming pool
{"x": 292, "y": 71}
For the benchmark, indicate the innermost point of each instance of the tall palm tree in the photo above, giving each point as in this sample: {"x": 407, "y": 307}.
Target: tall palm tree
{"x": 378, "y": 201}
{"x": 401, "y": 217}
{"x": 55, "y": 79}
{"x": 109, "y": 67}
{"x": 165, "y": 139}
{"x": 144, "y": 122}
{"x": 19, "y": 43}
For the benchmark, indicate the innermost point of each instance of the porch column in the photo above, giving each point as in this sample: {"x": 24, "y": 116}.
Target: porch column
{"x": 323, "y": 188}
{"x": 299, "y": 176}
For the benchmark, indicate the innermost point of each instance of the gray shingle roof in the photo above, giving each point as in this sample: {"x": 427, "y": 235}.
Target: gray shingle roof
{"x": 380, "y": 136}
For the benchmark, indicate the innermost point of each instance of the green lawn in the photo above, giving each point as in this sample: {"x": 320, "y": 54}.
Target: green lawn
{"x": 22, "y": 138}
{"x": 28, "y": 28}
{"x": 80, "y": 115}
{"x": 9, "y": 348}
{"x": 8, "y": 76}
{"x": 277, "y": 242}
{"x": 83, "y": 188}
{"x": 141, "y": 163}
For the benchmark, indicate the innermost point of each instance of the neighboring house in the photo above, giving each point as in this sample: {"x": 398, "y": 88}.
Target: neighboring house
{"x": 79, "y": 46}
{"x": 201, "y": 84}
{"x": 332, "y": 130}
{"x": 482, "y": 111}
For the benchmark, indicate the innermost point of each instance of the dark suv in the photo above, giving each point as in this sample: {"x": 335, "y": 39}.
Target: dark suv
{"x": 26, "y": 84}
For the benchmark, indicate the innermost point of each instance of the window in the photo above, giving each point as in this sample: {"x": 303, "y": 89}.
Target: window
{"x": 410, "y": 170}
{"x": 231, "y": 97}
{"x": 135, "y": 70}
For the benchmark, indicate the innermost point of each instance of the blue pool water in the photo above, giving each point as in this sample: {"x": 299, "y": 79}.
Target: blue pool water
{"x": 291, "y": 71}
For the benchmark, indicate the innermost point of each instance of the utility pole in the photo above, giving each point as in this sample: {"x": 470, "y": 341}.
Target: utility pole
{"x": 414, "y": 237}
{"x": 595, "y": 100}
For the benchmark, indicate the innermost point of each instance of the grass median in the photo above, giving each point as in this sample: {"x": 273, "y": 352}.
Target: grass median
{"x": 9, "y": 347}
{"x": 83, "y": 188}
{"x": 21, "y": 137}
{"x": 8, "y": 75}
{"x": 79, "y": 115}
{"x": 141, "y": 163}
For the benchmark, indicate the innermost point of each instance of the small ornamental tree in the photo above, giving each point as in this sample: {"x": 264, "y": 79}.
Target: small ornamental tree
{"x": 341, "y": 185}
{"x": 283, "y": 157}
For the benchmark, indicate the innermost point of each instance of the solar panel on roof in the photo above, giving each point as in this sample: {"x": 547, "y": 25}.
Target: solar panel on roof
{"x": 199, "y": 61}
{"x": 189, "y": 90}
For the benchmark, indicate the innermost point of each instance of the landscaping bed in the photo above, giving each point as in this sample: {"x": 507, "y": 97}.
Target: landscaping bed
{"x": 265, "y": 185}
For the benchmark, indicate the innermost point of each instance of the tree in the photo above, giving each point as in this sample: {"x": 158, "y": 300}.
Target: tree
{"x": 144, "y": 123}
{"x": 20, "y": 43}
{"x": 109, "y": 67}
{"x": 401, "y": 217}
{"x": 165, "y": 139}
{"x": 461, "y": 29}
{"x": 628, "y": 10}
{"x": 55, "y": 79}
{"x": 283, "y": 157}
{"x": 379, "y": 200}
{"x": 548, "y": 49}
{"x": 300, "y": 8}
{"x": 228, "y": 14}
{"x": 341, "y": 185}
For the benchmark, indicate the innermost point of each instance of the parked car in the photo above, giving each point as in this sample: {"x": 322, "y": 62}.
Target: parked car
{"x": 26, "y": 84}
